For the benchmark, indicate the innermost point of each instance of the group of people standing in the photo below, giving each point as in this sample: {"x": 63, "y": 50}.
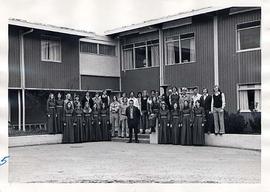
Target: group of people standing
{"x": 181, "y": 118}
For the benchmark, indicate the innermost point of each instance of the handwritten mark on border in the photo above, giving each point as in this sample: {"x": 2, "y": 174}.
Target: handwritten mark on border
{"x": 4, "y": 160}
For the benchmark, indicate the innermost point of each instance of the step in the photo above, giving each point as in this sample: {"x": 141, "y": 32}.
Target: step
{"x": 118, "y": 139}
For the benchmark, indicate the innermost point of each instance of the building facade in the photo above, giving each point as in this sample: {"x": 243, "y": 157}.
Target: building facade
{"x": 201, "y": 48}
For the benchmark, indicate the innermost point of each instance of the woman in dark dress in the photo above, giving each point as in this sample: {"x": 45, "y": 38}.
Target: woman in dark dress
{"x": 105, "y": 123}
{"x": 176, "y": 122}
{"x": 79, "y": 132}
{"x": 96, "y": 132}
{"x": 59, "y": 113}
{"x": 198, "y": 124}
{"x": 51, "y": 114}
{"x": 68, "y": 128}
{"x": 187, "y": 116}
{"x": 105, "y": 98}
{"x": 87, "y": 111}
{"x": 164, "y": 125}
{"x": 154, "y": 107}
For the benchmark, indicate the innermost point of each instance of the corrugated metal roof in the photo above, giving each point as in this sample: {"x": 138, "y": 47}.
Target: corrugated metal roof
{"x": 165, "y": 19}
{"x": 48, "y": 27}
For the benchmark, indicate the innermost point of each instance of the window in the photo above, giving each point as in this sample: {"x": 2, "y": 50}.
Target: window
{"x": 140, "y": 55}
{"x": 50, "y": 49}
{"x": 153, "y": 55}
{"x": 187, "y": 48}
{"x": 86, "y": 47}
{"x": 249, "y": 98}
{"x": 180, "y": 49}
{"x": 128, "y": 59}
{"x": 248, "y": 35}
{"x": 107, "y": 50}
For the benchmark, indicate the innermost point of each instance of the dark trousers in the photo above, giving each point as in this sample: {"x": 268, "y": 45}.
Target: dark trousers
{"x": 132, "y": 124}
{"x": 209, "y": 122}
{"x": 144, "y": 120}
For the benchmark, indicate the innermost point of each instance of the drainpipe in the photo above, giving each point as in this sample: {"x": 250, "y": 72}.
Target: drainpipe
{"x": 161, "y": 60}
{"x": 23, "y": 77}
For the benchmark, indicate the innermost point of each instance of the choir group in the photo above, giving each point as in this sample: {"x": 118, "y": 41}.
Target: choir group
{"x": 180, "y": 117}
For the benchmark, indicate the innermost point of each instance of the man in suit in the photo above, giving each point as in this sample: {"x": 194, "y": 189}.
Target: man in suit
{"x": 206, "y": 104}
{"x": 133, "y": 115}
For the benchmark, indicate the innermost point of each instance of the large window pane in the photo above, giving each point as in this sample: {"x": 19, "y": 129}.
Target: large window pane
{"x": 153, "y": 56}
{"x": 140, "y": 57}
{"x": 50, "y": 49}
{"x": 249, "y": 38}
{"x": 88, "y": 47}
{"x": 128, "y": 59}
{"x": 187, "y": 50}
{"x": 172, "y": 52}
{"x": 107, "y": 50}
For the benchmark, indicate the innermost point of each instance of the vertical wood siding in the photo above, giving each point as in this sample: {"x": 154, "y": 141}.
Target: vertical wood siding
{"x": 201, "y": 72}
{"x": 41, "y": 74}
{"x": 139, "y": 79}
{"x": 14, "y": 77}
{"x": 241, "y": 67}
{"x": 99, "y": 83}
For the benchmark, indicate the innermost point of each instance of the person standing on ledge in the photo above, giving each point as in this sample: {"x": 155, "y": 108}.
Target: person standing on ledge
{"x": 133, "y": 114}
{"x": 217, "y": 108}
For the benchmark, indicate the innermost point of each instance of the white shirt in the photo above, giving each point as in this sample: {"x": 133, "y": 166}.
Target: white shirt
{"x": 195, "y": 98}
{"x": 135, "y": 101}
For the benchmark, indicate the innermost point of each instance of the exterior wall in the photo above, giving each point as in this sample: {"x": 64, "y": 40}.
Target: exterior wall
{"x": 99, "y": 65}
{"x": 201, "y": 72}
{"x": 236, "y": 67}
{"x": 99, "y": 83}
{"x": 14, "y": 77}
{"x": 143, "y": 78}
{"x": 57, "y": 75}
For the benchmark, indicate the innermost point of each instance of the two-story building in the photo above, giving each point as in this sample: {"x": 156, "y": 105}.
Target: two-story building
{"x": 200, "y": 48}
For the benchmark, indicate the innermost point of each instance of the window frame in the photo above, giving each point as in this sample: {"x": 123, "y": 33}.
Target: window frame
{"x": 180, "y": 54}
{"x": 257, "y": 86}
{"x": 146, "y": 45}
{"x": 42, "y": 38}
{"x": 238, "y": 50}
{"x": 98, "y": 52}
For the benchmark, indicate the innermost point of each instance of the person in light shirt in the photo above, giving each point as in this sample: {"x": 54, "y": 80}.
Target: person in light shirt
{"x": 195, "y": 97}
{"x": 135, "y": 100}
{"x": 114, "y": 116}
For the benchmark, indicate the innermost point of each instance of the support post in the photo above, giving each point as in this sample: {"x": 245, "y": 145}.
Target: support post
{"x": 19, "y": 110}
{"x": 161, "y": 60}
{"x": 215, "y": 24}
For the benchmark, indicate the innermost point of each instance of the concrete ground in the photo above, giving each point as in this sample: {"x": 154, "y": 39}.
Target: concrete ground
{"x": 114, "y": 162}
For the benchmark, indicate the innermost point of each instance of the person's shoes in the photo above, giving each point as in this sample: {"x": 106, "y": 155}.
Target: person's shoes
{"x": 216, "y": 134}
{"x": 208, "y": 132}
{"x": 220, "y": 133}
{"x": 137, "y": 141}
{"x": 129, "y": 142}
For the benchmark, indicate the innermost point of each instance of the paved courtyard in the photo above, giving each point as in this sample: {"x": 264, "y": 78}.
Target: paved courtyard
{"x": 132, "y": 163}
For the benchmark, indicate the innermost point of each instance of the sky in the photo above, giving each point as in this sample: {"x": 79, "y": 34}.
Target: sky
{"x": 101, "y": 15}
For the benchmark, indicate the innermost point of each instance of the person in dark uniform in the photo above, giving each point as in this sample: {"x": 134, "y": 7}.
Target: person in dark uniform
{"x": 88, "y": 99}
{"x": 59, "y": 113}
{"x": 187, "y": 116}
{"x": 79, "y": 131}
{"x": 105, "y": 98}
{"x": 153, "y": 111}
{"x": 206, "y": 104}
{"x": 176, "y": 121}
{"x": 76, "y": 101}
{"x": 87, "y": 111}
{"x": 133, "y": 115}
{"x": 68, "y": 99}
{"x": 105, "y": 123}
{"x": 164, "y": 125}
{"x": 174, "y": 97}
{"x": 144, "y": 112}
{"x": 51, "y": 114}
{"x": 96, "y": 132}
{"x": 68, "y": 128}
{"x": 198, "y": 124}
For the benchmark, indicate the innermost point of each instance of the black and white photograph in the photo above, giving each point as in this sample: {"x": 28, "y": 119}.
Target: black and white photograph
{"x": 134, "y": 92}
